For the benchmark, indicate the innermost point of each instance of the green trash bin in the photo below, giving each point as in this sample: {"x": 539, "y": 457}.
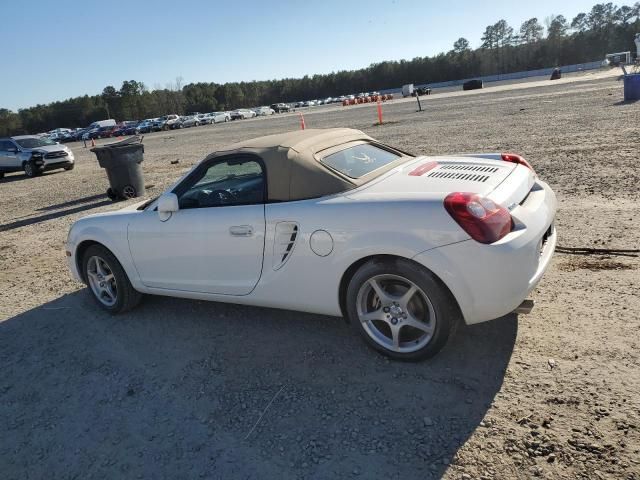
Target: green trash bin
{"x": 122, "y": 161}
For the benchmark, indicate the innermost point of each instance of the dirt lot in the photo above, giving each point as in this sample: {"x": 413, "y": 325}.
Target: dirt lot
{"x": 175, "y": 388}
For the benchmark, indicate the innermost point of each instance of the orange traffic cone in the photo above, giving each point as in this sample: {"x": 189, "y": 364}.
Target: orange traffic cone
{"x": 93, "y": 142}
{"x": 302, "y": 125}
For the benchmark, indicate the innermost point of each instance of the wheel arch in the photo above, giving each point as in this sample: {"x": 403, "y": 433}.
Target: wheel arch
{"x": 80, "y": 251}
{"x": 353, "y": 268}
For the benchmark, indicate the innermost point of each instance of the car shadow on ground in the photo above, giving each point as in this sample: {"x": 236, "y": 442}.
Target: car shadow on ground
{"x": 50, "y": 216}
{"x": 71, "y": 203}
{"x": 181, "y": 389}
{"x": 18, "y": 176}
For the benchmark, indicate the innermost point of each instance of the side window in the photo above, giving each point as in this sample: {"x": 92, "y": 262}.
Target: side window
{"x": 232, "y": 181}
{"x": 6, "y": 146}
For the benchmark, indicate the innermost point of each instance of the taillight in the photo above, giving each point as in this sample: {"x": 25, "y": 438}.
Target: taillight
{"x": 483, "y": 219}
{"x": 514, "y": 158}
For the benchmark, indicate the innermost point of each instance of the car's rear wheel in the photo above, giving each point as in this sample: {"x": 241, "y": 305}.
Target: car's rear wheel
{"x": 107, "y": 281}
{"x": 401, "y": 309}
{"x": 1, "y": 175}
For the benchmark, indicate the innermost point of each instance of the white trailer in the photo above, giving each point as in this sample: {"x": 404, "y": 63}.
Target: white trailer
{"x": 407, "y": 90}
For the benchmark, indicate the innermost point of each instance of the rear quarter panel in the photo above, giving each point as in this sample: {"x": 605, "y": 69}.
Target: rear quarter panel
{"x": 309, "y": 282}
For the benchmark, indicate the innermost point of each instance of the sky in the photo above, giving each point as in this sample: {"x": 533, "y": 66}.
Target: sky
{"x": 53, "y": 50}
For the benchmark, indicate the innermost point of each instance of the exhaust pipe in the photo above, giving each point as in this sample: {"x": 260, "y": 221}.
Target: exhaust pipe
{"x": 525, "y": 307}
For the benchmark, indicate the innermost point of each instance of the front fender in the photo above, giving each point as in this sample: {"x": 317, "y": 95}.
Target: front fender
{"x": 113, "y": 239}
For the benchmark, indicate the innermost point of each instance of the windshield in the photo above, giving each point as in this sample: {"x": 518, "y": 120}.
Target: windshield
{"x": 359, "y": 160}
{"x": 34, "y": 142}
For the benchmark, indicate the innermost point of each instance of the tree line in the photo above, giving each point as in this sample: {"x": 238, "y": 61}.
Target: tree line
{"x": 607, "y": 28}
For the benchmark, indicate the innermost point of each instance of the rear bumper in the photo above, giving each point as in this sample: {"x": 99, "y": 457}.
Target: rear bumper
{"x": 490, "y": 281}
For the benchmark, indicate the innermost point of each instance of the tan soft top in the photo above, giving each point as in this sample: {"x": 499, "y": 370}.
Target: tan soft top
{"x": 292, "y": 166}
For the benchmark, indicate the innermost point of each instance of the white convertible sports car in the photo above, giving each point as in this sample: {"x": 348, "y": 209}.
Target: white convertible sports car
{"x": 335, "y": 223}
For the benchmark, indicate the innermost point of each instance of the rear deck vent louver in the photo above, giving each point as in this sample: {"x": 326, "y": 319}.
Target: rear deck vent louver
{"x": 285, "y": 239}
{"x": 472, "y": 173}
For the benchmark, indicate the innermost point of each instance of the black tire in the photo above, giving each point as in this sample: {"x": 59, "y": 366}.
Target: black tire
{"x": 68, "y": 168}
{"x": 111, "y": 194}
{"x": 129, "y": 191}
{"x": 1, "y": 175}
{"x": 445, "y": 310}
{"x": 30, "y": 169}
{"x": 127, "y": 297}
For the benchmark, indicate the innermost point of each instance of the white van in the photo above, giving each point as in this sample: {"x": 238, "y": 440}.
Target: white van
{"x": 103, "y": 123}
{"x": 407, "y": 90}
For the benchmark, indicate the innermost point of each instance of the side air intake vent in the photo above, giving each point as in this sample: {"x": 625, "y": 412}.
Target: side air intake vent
{"x": 284, "y": 241}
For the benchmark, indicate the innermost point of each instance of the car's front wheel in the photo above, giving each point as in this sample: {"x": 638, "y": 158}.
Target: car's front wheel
{"x": 107, "y": 280}
{"x": 30, "y": 169}
{"x": 401, "y": 309}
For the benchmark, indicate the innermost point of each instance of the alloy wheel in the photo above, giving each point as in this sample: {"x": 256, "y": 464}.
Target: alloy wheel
{"x": 396, "y": 313}
{"x": 102, "y": 281}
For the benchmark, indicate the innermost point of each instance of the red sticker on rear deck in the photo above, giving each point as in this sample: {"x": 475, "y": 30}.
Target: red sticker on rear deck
{"x": 424, "y": 168}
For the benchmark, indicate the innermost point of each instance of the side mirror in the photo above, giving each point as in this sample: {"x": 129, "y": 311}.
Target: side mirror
{"x": 167, "y": 205}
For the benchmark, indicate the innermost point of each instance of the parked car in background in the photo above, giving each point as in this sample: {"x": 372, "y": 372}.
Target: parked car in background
{"x": 101, "y": 132}
{"x": 204, "y": 119}
{"x": 131, "y": 128}
{"x": 426, "y": 90}
{"x": 124, "y": 128}
{"x": 264, "y": 111}
{"x": 57, "y": 134}
{"x": 69, "y": 136}
{"x": 190, "y": 121}
{"x": 219, "y": 117}
{"x": 242, "y": 114}
{"x": 145, "y": 126}
{"x": 472, "y": 85}
{"x": 281, "y": 107}
{"x": 165, "y": 122}
{"x": 33, "y": 155}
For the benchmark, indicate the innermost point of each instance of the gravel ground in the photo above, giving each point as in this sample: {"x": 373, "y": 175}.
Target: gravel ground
{"x": 188, "y": 389}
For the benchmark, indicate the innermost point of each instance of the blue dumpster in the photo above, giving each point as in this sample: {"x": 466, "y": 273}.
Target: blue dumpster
{"x": 632, "y": 87}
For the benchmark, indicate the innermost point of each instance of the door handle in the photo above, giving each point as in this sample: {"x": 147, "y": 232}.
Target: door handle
{"x": 241, "y": 231}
